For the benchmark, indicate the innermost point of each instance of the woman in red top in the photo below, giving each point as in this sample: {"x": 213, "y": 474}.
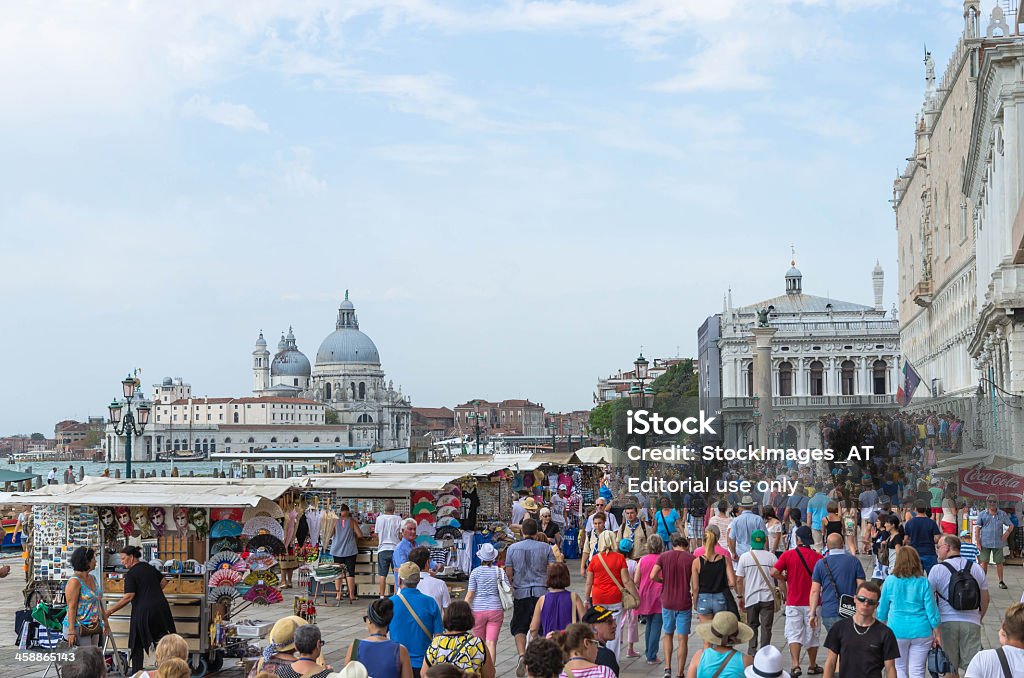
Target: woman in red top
{"x": 606, "y": 573}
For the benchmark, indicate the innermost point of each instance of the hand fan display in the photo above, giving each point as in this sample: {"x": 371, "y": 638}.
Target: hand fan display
{"x": 263, "y": 525}
{"x": 225, "y": 578}
{"x": 266, "y": 577}
{"x": 263, "y": 595}
{"x": 222, "y": 594}
{"x": 267, "y": 542}
{"x": 225, "y": 560}
{"x": 265, "y": 507}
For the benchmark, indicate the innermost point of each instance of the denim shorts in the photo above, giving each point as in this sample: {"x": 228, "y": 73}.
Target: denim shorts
{"x": 676, "y": 621}
{"x": 710, "y": 603}
{"x": 384, "y": 562}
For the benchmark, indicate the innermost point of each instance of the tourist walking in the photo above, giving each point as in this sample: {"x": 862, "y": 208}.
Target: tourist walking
{"x": 721, "y": 659}
{"x": 962, "y": 605}
{"x": 543, "y": 658}
{"x": 580, "y": 649}
{"x": 458, "y": 646}
{"x": 774, "y": 531}
{"x": 611, "y": 523}
{"x": 607, "y": 577}
{"x": 388, "y": 528}
{"x": 633, "y": 530}
{"x": 482, "y": 595}
{"x": 557, "y": 608}
{"x": 755, "y": 590}
{"x": 721, "y": 520}
{"x": 649, "y": 610}
{"x": 590, "y": 541}
{"x": 1008, "y": 658}
{"x": 602, "y": 622}
{"x": 547, "y": 527}
{"x": 674, "y": 570}
{"x": 860, "y": 646}
{"x": 526, "y": 564}
{"x": 742, "y": 526}
{"x": 406, "y": 543}
{"x": 151, "y": 617}
{"x": 83, "y": 623}
{"x": 992, "y": 528}
{"x": 429, "y": 584}
{"x": 836, "y": 575}
{"x": 923, "y": 533}
{"x": 712, "y": 578}
{"x": 817, "y": 509}
{"x": 417, "y": 617}
{"x": 794, "y": 569}
{"x": 382, "y": 657}
{"x": 908, "y": 607}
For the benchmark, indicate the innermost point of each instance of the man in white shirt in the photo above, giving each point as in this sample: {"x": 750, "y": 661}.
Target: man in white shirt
{"x": 1007, "y": 660}
{"x": 754, "y": 588}
{"x": 51, "y": 477}
{"x": 388, "y": 529}
{"x": 559, "y": 506}
{"x": 610, "y": 522}
{"x": 960, "y": 629}
{"x": 431, "y": 586}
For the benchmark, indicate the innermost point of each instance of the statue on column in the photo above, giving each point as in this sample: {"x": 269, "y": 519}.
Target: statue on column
{"x": 762, "y": 316}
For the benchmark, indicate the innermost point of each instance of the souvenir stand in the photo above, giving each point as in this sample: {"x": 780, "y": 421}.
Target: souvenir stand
{"x": 453, "y": 504}
{"x": 217, "y": 541}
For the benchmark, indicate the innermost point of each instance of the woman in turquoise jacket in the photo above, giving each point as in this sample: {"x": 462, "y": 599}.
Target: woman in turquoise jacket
{"x": 908, "y": 607}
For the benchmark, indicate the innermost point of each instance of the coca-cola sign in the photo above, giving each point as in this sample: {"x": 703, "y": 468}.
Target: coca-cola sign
{"x": 978, "y": 483}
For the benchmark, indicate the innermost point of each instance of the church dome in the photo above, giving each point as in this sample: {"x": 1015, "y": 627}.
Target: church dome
{"x": 346, "y": 344}
{"x": 289, "y": 360}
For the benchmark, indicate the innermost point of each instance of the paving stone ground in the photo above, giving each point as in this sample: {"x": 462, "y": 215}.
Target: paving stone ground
{"x": 340, "y": 625}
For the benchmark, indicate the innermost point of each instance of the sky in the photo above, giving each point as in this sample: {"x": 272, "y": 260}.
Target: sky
{"x": 519, "y": 195}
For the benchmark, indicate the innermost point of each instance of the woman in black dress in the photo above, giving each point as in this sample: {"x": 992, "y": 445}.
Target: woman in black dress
{"x": 151, "y": 615}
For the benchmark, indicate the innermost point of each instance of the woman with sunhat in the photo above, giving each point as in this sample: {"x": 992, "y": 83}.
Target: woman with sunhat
{"x": 482, "y": 595}
{"x": 281, "y": 650}
{"x": 721, "y": 659}
{"x": 767, "y": 663}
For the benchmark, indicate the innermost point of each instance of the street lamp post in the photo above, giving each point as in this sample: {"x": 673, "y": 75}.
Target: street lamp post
{"x": 476, "y": 416}
{"x": 552, "y": 429}
{"x": 124, "y": 422}
{"x": 642, "y": 397}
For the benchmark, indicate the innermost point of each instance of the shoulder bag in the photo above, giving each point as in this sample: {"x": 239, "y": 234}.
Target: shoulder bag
{"x": 416, "y": 617}
{"x": 728, "y": 658}
{"x": 504, "y": 591}
{"x": 847, "y": 606}
{"x": 629, "y": 601}
{"x": 776, "y": 594}
{"x": 1004, "y": 664}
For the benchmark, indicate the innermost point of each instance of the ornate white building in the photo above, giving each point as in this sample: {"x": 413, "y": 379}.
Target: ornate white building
{"x": 827, "y": 356}
{"x": 347, "y": 378}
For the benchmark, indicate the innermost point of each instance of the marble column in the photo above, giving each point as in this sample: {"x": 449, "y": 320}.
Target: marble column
{"x": 762, "y": 347}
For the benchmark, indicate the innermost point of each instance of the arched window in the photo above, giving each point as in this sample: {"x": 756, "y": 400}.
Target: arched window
{"x": 364, "y": 419}
{"x": 252, "y": 440}
{"x": 197, "y": 446}
{"x": 236, "y": 417}
{"x": 879, "y": 370}
{"x": 295, "y": 439}
{"x": 362, "y": 390}
{"x": 206, "y": 445}
{"x": 274, "y": 439}
{"x": 317, "y": 439}
{"x": 295, "y": 381}
{"x": 750, "y": 380}
{"x": 817, "y": 378}
{"x": 227, "y": 441}
{"x": 847, "y": 378}
{"x": 213, "y": 445}
{"x": 352, "y": 385}
{"x": 327, "y": 391}
{"x": 786, "y": 379}
{"x": 337, "y": 439}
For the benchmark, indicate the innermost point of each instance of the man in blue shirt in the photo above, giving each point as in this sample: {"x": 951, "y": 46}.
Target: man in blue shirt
{"x": 993, "y": 528}
{"x": 526, "y": 566}
{"x": 743, "y": 526}
{"x": 922, "y": 533}
{"x": 838, "y": 573}
{"x": 817, "y": 508}
{"x": 410, "y": 604}
{"x": 407, "y": 544}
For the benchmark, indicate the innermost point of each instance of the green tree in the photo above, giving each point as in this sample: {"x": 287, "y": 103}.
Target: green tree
{"x": 331, "y": 416}
{"x": 37, "y": 436}
{"x": 93, "y": 438}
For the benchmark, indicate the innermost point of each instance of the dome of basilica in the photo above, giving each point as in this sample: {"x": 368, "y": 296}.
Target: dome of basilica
{"x": 289, "y": 361}
{"x": 346, "y": 344}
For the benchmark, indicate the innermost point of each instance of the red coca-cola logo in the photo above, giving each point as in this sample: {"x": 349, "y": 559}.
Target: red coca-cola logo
{"x": 999, "y": 479}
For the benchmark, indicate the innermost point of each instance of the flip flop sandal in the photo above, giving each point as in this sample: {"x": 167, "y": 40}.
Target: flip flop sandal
{"x": 795, "y": 672}
{"x": 815, "y": 670}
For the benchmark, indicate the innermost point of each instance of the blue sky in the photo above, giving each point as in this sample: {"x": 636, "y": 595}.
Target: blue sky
{"x": 518, "y": 194}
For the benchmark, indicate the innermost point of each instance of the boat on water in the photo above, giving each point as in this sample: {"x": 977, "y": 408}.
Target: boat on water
{"x": 182, "y": 455}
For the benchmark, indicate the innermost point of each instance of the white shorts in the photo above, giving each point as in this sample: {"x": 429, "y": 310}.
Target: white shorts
{"x": 798, "y": 626}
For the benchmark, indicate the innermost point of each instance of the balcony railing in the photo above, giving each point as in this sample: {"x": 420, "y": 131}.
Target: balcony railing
{"x": 816, "y": 402}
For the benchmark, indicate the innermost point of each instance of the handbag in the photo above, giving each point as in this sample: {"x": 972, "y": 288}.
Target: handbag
{"x": 776, "y": 593}
{"x": 847, "y": 606}
{"x": 629, "y": 601}
{"x": 93, "y": 629}
{"x": 504, "y": 591}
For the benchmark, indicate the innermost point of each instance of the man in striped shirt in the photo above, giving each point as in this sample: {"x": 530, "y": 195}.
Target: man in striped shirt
{"x": 968, "y": 550}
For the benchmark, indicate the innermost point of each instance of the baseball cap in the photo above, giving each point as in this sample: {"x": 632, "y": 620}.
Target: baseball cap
{"x": 964, "y": 533}
{"x": 597, "y": 615}
{"x": 757, "y": 539}
{"x": 804, "y": 534}
{"x": 409, "y": 572}
{"x": 562, "y": 487}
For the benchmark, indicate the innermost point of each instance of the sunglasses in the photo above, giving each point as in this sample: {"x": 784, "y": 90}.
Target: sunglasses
{"x": 867, "y": 601}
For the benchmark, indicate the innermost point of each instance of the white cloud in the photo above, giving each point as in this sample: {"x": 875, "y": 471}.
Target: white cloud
{"x": 726, "y": 65}
{"x": 236, "y": 116}
{"x": 297, "y": 174}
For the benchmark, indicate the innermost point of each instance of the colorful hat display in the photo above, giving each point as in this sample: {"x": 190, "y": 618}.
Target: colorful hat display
{"x": 264, "y": 507}
{"x": 448, "y": 500}
{"x": 445, "y": 511}
{"x": 425, "y": 517}
{"x": 449, "y": 521}
{"x": 226, "y": 528}
{"x": 423, "y": 507}
{"x": 226, "y": 514}
{"x": 422, "y": 495}
{"x": 263, "y": 523}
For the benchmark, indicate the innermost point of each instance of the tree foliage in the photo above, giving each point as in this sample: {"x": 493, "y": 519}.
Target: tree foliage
{"x": 37, "y": 436}
{"x": 331, "y": 416}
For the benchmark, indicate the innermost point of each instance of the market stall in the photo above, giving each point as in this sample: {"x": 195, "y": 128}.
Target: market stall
{"x": 219, "y": 542}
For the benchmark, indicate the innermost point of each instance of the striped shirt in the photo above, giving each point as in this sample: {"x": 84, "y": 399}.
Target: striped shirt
{"x": 969, "y": 551}
{"x": 484, "y": 580}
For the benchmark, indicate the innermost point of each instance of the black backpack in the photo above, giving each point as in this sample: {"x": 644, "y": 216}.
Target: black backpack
{"x": 698, "y": 505}
{"x": 963, "y": 592}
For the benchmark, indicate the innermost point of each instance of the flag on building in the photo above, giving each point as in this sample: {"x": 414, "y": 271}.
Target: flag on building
{"x": 911, "y": 380}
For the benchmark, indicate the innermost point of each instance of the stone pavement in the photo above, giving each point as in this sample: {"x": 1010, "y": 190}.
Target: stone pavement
{"x": 340, "y": 625}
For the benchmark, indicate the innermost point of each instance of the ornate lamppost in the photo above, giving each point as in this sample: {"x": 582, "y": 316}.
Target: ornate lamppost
{"x": 125, "y": 423}
{"x": 477, "y": 417}
{"x": 642, "y": 398}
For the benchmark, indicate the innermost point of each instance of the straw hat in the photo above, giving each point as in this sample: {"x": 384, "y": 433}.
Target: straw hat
{"x": 725, "y": 627}
{"x": 353, "y": 669}
{"x": 529, "y": 504}
{"x": 283, "y": 633}
{"x": 767, "y": 662}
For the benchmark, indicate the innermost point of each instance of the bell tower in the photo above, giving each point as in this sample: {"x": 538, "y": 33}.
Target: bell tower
{"x": 261, "y": 366}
